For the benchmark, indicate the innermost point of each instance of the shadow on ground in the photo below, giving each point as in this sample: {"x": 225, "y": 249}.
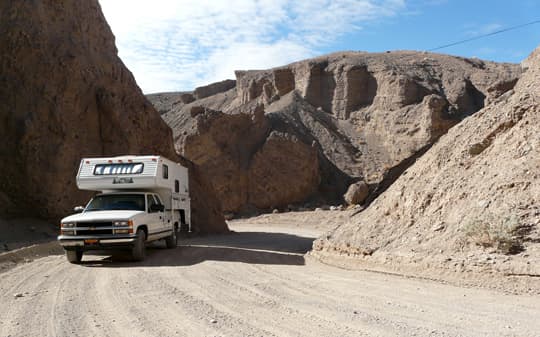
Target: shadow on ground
{"x": 244, "y": 247}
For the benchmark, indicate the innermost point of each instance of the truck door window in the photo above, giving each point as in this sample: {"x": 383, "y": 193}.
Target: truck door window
{"x": 149, "y": 202}
{"x": 158, "y": 200}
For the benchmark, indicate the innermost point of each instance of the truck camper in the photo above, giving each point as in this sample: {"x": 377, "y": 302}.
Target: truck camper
{"x": 140, "y": 199}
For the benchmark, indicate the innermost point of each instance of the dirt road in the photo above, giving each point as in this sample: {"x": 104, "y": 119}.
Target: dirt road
{"x": 255, "y": 282}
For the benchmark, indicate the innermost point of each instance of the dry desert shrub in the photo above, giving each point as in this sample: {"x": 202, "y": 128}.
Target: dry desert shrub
{"x": 495, "y": 231}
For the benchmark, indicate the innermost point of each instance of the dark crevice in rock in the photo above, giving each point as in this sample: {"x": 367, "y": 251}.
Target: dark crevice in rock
{"x": 283, "y": 81}
{"x": 321, "y": 87}
{"x": 468, "y": 102}
{"x": 361, "y": 89}
{"x": 394, "y": 173}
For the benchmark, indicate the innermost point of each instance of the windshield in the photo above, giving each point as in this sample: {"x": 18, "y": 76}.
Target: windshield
{"x": 130, "y": 202}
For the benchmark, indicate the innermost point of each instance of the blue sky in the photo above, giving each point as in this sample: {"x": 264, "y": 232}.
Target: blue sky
{"x": 177, "y": 45}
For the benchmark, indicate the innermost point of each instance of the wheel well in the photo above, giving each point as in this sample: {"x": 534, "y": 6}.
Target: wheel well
{"x": 145, "y": 229}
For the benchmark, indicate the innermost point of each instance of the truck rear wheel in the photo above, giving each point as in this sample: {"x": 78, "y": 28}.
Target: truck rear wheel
{"x": 138, "y": 252}
{"x": 172, "y": 240}
{"x": 74, "y": 256}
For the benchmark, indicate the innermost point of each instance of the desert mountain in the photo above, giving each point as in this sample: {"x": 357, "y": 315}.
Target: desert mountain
{"x": 65, "y": 94}
{"x": 304, "y": 132}
{"x": 471, "y": 203}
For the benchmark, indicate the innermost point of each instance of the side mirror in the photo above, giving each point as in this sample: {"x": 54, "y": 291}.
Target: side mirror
{"x": 157, "y": 208}
{"x": 78, "y": 209}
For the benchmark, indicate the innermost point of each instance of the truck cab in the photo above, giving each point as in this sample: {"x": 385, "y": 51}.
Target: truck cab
{"x": 141, "y": 199}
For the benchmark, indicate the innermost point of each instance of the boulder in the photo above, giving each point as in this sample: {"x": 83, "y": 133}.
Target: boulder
{"x": 356, "y": 193}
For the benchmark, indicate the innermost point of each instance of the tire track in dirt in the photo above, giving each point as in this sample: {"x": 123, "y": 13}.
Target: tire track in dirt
{"x": 200, "y": 303}
{"x": 237, "y": 288}
{"x": 237, "y": 300}
{"x": 170, "y": 318}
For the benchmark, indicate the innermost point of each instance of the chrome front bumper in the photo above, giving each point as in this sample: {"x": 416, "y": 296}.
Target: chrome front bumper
{"x": 70, "y": 242}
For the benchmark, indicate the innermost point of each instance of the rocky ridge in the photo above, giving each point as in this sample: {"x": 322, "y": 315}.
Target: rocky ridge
{"x": 470, "y": 204}
{"x": 306, "y": 131}
{"x": 65, "y": 94}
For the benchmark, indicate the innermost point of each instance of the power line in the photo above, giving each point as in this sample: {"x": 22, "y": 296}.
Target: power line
{"x": 485, "y": 35}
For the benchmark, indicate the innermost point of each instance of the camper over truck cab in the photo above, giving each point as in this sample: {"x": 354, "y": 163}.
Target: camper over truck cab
{"x": 140, "y": 199}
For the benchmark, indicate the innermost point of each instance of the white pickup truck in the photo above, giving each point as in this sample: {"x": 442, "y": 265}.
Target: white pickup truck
{"x": 141, "y": 199}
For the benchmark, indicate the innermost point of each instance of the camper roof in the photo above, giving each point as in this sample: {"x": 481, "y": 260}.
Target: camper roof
{"x": 132, "y": 172}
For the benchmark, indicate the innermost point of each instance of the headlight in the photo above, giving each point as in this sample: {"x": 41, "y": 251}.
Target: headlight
{"x": 121, "y": 223}
{"x": 68, "y": 225}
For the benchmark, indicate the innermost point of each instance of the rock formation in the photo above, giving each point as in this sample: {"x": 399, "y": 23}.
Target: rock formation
{"x": 471, "y": 203}
{"x": 65, "y": 94}
{"x": 345, "y": 116}
{"x": 356, "y": 193}
{"x": 212, "y": 89}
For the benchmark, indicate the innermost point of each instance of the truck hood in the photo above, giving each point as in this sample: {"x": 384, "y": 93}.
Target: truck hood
{"x": 102, "y": 216}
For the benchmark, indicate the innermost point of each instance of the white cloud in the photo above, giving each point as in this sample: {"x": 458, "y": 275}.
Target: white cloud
{"x": 221, "y": 63}
{"x": 177, "y": 45}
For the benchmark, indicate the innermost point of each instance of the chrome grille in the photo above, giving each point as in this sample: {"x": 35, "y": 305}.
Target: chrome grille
{"x": 94, "y": 224}
{"x": 94, "y": 228}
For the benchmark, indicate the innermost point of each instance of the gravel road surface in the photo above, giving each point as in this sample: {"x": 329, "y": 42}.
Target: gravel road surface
{"x": 255, "y": 282}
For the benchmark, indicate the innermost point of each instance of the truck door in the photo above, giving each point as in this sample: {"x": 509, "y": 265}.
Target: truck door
{"x": 155, "y": 217}
{"x": 164, "y": 215}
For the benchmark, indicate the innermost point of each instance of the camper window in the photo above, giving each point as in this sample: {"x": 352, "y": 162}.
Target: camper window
{"x": 109, "y": 169}
{"x": 165, "y": 172}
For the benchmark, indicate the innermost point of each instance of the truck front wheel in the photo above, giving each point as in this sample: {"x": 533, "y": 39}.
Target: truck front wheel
{"x": 74, "y": 256}
{"x": 138, "y": 252}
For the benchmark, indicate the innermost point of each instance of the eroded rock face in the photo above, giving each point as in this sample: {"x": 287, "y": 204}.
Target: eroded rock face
{"x": 250, "y": 165}
{"x": 475, "y": 193}
{"x": 65, "y": 94}
{"x": 283, "y": 169}
{"x": 365, "y": 114}
{"x": 206, "y": 212}
{"x": 211, "y": 89}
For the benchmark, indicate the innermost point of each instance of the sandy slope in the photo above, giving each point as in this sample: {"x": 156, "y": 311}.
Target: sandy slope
{"x": 255, "y": 282}
{"x": 471, "y": 204}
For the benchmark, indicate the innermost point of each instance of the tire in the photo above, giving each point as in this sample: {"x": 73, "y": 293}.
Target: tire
{"x": 74, "y": 256}
{"x": 138, "y": 252}
{"x": 172, "y": 240}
